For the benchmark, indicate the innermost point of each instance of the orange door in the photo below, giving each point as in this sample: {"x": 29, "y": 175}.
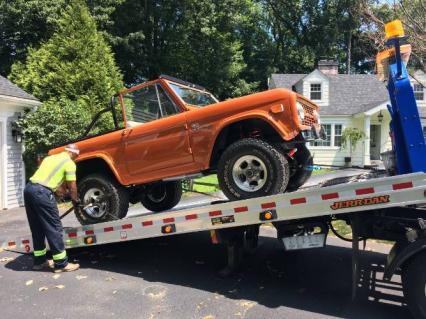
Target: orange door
{"x": 156, "y": 140}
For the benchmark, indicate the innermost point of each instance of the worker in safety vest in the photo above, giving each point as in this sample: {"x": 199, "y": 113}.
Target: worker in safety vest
{"x": 42, "y": 211}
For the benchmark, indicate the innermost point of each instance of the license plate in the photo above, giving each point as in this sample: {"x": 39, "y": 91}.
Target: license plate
{"x": 304, "y": 242}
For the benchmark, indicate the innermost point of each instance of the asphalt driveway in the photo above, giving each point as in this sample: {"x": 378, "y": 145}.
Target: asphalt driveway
{"x": 177, "y": 277}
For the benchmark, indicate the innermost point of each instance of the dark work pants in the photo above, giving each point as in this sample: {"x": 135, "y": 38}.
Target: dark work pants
{"x": 43, "y": 217}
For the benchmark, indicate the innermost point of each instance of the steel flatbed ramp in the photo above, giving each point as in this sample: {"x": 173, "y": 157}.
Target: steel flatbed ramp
{"x": 375, "y": 193}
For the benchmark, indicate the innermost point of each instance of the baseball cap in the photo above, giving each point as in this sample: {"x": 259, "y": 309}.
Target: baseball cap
{"x": 72, "y": 148}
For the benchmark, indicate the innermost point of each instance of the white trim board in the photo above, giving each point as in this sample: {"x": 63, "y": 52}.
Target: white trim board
{"x": 3, "y": 161}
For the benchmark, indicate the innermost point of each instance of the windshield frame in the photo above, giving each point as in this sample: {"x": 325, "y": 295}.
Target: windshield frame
{"x": 170, "y": 83}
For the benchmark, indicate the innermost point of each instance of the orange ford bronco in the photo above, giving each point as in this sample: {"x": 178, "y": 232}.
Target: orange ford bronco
{"x": 167, "y": 130}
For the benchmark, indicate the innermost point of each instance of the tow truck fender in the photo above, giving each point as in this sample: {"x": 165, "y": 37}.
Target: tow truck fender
{"x": 400, "y": 253}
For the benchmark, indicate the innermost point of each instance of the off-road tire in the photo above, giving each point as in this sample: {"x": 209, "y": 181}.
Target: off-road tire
{"x": 172, "y": 196}
{"x": 414, "y": 284}
{"x": 117, "y": 198}
{"x": 275, "y": 162}
{"x": 304, "y": 162}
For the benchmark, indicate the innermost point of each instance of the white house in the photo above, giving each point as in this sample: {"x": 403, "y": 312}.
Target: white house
{"x": 13, "y": 101}
{"x": 348, "y": 100}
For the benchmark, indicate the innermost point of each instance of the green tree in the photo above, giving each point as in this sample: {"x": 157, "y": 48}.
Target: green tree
{"x": 28, "y": 23}
{"x": 73, "y": 73}
{"x": 197, "y": 40}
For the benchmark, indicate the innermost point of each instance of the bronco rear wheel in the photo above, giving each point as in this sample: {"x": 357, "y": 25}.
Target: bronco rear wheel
{"x": 102, "y": 199}
{"x": 252, "y": 168}
{"x": 162, "y": 196}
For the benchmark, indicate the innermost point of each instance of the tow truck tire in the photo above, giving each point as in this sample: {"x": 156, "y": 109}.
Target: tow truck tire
{"x": 252, "y": 168}
{"x": 162, "y": 196}
{"x": 414, "y": 284}
{"x": 304, "y": 163}
{"x": 110, "y": 201}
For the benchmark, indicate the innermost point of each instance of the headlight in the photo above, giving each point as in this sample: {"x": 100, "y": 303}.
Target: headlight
{"x": 300, "y": 111}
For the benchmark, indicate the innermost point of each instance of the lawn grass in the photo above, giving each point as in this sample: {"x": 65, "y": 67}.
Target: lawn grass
{"x": 210, "y": 179}
{"x": 322, "y": 171}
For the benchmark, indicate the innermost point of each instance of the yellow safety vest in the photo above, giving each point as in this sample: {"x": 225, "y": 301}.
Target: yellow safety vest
{"x": 54, "y": 170}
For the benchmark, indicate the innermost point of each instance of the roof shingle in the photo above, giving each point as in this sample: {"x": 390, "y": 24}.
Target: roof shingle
{"x": 348, "y": 93}
{"x": 9, "y": 89}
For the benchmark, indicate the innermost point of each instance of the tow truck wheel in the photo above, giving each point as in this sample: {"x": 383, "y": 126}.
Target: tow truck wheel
{"x": 414, "y": 284}
{"x": 304, "y": 162}
{"x": 102, "y": 199}
{"x": 162, "y": 196}
{"x": 252, "y": 168}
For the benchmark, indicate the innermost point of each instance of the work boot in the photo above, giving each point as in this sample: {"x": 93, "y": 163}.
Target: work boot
{"x": 69, "y": 267}
{"x": 47, "y": 265}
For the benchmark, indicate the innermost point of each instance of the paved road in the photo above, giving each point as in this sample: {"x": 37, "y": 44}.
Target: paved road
{"x": 176, "y": 277}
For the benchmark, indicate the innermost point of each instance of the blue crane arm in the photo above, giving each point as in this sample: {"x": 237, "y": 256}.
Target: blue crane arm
{"x": 408, "y": 141}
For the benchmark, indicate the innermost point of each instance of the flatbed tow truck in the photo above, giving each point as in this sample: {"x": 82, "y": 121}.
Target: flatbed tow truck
{"x": 382, "y": 207}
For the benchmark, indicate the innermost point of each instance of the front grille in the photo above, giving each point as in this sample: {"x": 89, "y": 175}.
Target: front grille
{"x": 309, "y": 119}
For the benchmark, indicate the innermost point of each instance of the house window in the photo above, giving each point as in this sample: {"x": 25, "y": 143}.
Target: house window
{"x": 424, "y": 132}
{"x": 315, "y": 91}
{"x": 338, "y": 135}
{"x": 334, "y": 136}
{"x": 418, "y": 92}
{"x": 327, "y": 141}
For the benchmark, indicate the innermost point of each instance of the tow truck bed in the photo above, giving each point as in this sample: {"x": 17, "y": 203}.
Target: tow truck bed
{"x": 377, "y": 193}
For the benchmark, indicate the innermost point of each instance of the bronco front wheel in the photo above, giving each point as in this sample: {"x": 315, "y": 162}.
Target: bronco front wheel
{"x": 252, "y": 168}
{"x": 102, "y": 199}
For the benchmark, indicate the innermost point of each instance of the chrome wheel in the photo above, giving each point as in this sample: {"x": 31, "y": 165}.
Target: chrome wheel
{"x": 95, "y": 201}
{"x": 249, "y": 173}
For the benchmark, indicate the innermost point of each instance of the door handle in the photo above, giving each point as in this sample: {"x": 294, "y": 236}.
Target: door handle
{"x": 126, "y": 132}
{"x": 195, "y": 126}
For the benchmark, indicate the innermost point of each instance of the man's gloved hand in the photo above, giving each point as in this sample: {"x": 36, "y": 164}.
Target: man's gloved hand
{"x": 76, "y": 203}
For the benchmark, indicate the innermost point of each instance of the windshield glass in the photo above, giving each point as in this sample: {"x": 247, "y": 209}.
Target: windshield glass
{"x": 193, "y": 97}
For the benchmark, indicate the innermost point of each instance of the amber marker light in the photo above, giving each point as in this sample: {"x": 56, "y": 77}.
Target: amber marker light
{"x": 89, "y": 240}
{"x": 394, "y": 29}
{"x": 168, "y": 229}
{"x": 268, "y": 215}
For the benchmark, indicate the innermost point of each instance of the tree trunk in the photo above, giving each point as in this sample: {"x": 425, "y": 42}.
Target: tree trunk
{"x": 349, "y": 53}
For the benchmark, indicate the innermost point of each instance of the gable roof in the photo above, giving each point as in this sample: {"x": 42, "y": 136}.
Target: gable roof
{"x": 286, "y": 80}
{"x": 9, "y": 89}
{"x": 348, "y": 93}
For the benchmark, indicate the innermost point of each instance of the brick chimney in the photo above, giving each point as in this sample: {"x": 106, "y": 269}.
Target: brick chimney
{"x": 330, "y": 67}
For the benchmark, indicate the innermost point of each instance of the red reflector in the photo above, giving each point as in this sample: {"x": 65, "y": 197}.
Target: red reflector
{"x": 292, "y": 152}
{"x": 108, "y": 229}
{"x": 215, "y": 213}
{"x": 72, "y": 235}
{"x": 268, "y": 205}
{"x": 296, "y": 201}
{"x": 89, "y": 232}
{"x": 25, "y": 242}
{"x": 241, "y": 209}
{"x": 192, "y": 216}
{"x": 402, "y": 185}
{"x": 126, "y": 226}
{"x": 168, "y": 220}
{"x": 147, "y": 223}
{"x": 329, "y": 196}
{"x": 363, "y": 191}
{"x": 11, "y": 243}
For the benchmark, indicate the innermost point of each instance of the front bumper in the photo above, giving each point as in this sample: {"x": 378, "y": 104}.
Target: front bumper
{"x": 315, "y": 133}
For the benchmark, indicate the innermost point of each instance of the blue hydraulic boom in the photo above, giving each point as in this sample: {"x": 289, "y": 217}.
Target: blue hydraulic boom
{"x": 408, "y": 141}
